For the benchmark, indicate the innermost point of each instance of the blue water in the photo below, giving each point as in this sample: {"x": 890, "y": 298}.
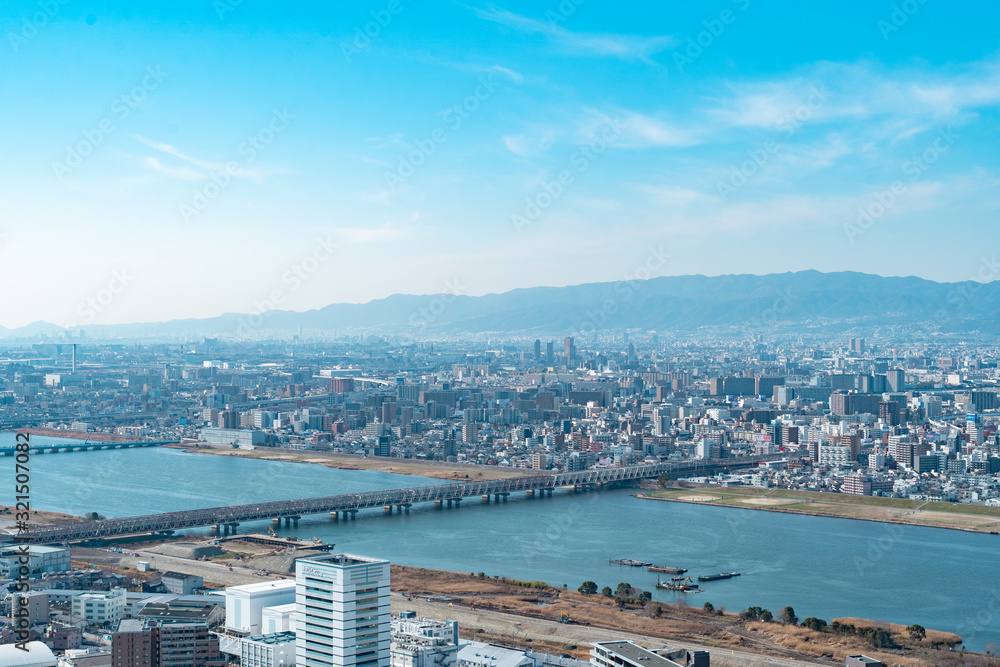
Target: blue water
{"x": 822, "y": 567}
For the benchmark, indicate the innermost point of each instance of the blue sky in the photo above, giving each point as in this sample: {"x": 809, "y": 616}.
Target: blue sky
{"x": 481, "y": 147}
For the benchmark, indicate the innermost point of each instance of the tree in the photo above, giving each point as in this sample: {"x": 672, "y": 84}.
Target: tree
{"x": 814, "y": 623}
{"x": 623, "y": 589}
{"x": 788, "y": 616}
{"x": 879, "y": 638}
{"x": 588, "y": 588}
{"x": 607, "y": 592}
{"x": 917, "y": 632}
{"x": 709, "y": 607}
{"x": 766, "y": 616}
{"x": 657, "y": 611}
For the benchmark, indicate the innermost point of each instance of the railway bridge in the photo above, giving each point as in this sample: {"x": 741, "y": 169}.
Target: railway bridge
{"x": 347, "y": 506}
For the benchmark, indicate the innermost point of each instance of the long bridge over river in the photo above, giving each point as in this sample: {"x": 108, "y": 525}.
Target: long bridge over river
{"x": 346, "y": 506}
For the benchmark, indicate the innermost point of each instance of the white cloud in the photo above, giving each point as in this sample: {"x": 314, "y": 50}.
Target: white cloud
{"x": 627, "y": 47}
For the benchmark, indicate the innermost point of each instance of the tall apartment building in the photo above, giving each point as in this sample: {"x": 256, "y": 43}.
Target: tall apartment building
{"x": 342, "y": 606}
{"x": 138, "y": 643}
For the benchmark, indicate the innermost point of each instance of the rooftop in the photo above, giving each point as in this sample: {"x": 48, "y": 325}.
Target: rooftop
{"x": 636, "y": 654}
{"x": 273, "y": 638}
{"x": 262, "y": 586}
{"x": 343, "y": 560}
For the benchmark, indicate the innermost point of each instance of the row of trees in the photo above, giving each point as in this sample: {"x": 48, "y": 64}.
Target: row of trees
{"x": 624, "y": 592}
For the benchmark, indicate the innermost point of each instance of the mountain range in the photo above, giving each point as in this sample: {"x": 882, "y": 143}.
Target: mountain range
{"x": 675, "y": 303}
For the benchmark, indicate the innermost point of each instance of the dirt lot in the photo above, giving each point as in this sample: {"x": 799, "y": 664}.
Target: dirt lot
{"x": 435, "y": 469}
{"x": 7, "y": 518}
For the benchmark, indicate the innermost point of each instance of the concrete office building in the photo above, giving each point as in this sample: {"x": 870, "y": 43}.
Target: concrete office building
{"x": 244, "y": 439}
{"x": 629, "y": 654}
{"x": 100, "y": 607}
{"x": 342, "y": 607}
{"x": 245, "y": 604}
{"x": 423, "y": 642}
{"x": 269, "y": 650}
{"x": 41, "y": 559}
{"x": 280, "y": 618}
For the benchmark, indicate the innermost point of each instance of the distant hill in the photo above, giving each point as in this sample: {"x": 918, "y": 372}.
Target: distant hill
{"x": 676, "y": 303}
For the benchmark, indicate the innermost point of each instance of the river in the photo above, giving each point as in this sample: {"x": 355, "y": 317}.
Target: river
{"x": 823, "y": 567}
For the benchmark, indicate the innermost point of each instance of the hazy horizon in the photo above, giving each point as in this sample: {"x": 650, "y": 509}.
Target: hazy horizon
{"x": 213, "y": 153}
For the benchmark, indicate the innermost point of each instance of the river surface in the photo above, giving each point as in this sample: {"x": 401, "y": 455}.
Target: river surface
{"x": 823, "y": 567}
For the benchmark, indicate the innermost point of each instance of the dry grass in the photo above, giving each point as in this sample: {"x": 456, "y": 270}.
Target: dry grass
{"x": 975, "y": 518}
{"x": 434, "y": 469}
{"x": 678, "y": 623}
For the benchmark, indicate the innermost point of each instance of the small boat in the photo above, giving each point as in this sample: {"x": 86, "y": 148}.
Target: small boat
{"x": 721, "y": 575}
{"x": 680, "y": 584}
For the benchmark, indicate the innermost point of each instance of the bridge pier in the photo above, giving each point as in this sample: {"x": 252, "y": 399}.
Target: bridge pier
{"x": 403, "y": 507}
{"x": 225, "y": 529}
{"x": 458, "y": 503}
{"x": 233, "y": 526}
{"x": 486, "y": 498}
{"x": 438, "y": 504}
{"x": 548, "y": 492}
{"x": 449, "y": 502}
{"x": 386, "y": 509}
{"x": 295, "y": 522}
{"x": 334, "y": 516}
{"x": 276, "y": 522}
{"x": 214, "y": 530}
{"x": 354, "y": 514}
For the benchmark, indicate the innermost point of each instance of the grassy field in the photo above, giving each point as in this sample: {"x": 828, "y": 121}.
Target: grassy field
{"x": 435, "y": 469}
{"x": 975, "y": 518}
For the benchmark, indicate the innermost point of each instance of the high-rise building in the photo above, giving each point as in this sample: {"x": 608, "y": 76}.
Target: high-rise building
{"x": 569, "y": 350}
{"x": 550, "y": 352}
{"x": 538, "y": 350}
{"x": 858, "y": 346}
{"x": 896, "y": 379}
{"x": 342, "y": 606}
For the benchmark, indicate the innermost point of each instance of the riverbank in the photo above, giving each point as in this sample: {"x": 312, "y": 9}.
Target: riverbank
{"x": 434, "y": 469}
{"x": 954, "y": 516}
{"x": 578, "y": 616}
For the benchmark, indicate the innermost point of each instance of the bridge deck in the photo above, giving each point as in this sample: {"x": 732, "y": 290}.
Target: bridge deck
{"x": 359, "y": 501}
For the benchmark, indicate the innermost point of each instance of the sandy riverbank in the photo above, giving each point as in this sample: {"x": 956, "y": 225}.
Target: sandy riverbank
{"x": 434, "y": 469}
{"x": 971, "y": 518}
